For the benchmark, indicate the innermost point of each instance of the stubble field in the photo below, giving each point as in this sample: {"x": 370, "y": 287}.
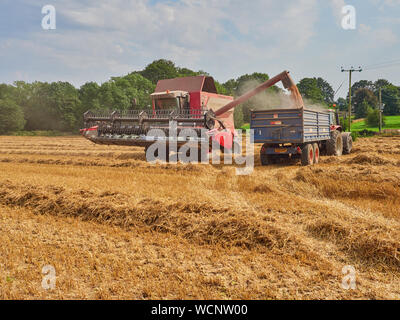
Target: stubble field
{"x": 115, "y": 227}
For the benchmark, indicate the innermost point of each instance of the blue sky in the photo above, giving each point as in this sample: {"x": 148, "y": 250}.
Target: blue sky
{"x": 96, "y": 39}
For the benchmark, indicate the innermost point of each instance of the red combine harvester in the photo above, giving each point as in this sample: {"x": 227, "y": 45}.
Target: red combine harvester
{"x": 192, "y": 102}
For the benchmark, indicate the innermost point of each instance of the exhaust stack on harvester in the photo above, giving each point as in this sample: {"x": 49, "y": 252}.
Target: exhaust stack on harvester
{"x": 192, "y": 102}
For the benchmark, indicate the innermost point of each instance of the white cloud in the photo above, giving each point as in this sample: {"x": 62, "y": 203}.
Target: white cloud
{"x": 228, "y": 35}
{"x": 337, "y": 6}
{"x": 392, "y": 3}
{"x": 384, "y": 36}
{"x": 364, "y": 29}
{"x": 97, "y": 39}
{"x": 378, "y": 37}
{"x": 384, "y": 4}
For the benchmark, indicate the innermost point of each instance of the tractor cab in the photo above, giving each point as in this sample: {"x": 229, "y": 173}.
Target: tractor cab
{"x": 335, "y": 119}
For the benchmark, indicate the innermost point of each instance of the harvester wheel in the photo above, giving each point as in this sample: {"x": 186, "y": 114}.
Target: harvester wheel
{"x": 347, "y": 142}
{"x": 334, "y": 146}
{"x": 316, "y": 152}
{"x": 307, "y": 155}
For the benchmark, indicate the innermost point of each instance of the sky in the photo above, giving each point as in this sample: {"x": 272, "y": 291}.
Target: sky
{"x": 95, "y": 40}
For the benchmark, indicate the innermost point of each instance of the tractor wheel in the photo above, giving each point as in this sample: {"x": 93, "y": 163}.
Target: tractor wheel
{"x": 316, "y": 152}
{"x": 307, "y": 155}
{"x": 334, "y": 146}
{"x": 347, "y": 142}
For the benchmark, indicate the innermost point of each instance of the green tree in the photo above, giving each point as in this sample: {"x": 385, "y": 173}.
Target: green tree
{"x": 64, "y": 101}
{"x": 327, "y": 91}
{"x": 35, "y": 102}
{"x": 185, "y": 72}
{"x": 119, "y": 92}
{"x": 11, "y": 116}
{"x": 342, "y": 104}
{"x": 391, "y": 100}
{"x": 362, "y": 109}
{"x": 238, "y": 116}
{"x": 372, "y": 119}
{"x": 362, "y": 84}
{"x": 7, "y": 92}
{"x": 246, "y": 83}
{"x": 160, "y": 69}
{"x": 361, "y": 96}
{"x": 380, "y": 83}
{"x": 256, "y": 76}
{"x": 221, "y": 88}
{"x": 310, "y": 90}
{"x": 89, "y": 96}
{"x": 140, "y": 89}
{"x": 48, "y": 106}
{"x": 231, "y": 87}
{"x": 242, "y": 85}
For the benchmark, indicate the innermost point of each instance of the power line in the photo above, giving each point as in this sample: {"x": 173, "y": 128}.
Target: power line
{"x": 350, "y": 71}
{"x": 339, "y": 88}
{"x": 381, "y": 63}
{"x": 382, "y": 66}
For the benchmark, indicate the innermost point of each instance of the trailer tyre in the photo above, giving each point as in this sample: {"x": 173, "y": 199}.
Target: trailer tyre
{"x": 265, "y": 161}
{"x": 347, "y": 142}
{"x": 307, "y": 155}
{"x": 334, "y": 146}
{"x": 316, "y": 152}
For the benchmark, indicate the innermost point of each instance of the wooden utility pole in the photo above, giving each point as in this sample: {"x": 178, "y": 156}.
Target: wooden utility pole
{"x": 380, "y": 110}
{"x": 350, "y": 71}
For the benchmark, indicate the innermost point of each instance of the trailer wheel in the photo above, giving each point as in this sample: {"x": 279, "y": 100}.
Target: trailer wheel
{"x": 347, "y": 142}
{"x": 265, "y": 161}
{"x": 307, "y": 155}
{"x": 334, "y": 146}
{"x": 316, "y": 152}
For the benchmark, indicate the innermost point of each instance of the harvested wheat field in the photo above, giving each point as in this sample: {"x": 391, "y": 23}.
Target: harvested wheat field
{"x": 114, "y": 226}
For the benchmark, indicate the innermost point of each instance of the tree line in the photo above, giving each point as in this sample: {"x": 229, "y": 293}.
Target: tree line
{"x": 59, "y": 106}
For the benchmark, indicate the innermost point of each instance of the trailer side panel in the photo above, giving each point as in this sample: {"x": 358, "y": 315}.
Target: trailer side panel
{"x": 294, "y": 126}
{"x": 316, "y": 126}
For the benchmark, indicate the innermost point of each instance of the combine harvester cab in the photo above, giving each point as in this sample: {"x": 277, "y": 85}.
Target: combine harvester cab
{"x": 191, "y": 102}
